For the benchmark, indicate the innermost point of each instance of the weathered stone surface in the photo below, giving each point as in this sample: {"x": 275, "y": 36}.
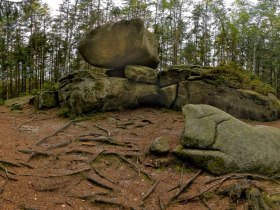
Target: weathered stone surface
{"x": 141, "y": 74}
{"x": 173, "y": 75}
{"x": 177, "y": 73}
{"x": 160, "y": 146}
{"x": 244, "y": 104}
{"x": 145, "y": 94}
{"x": 168, "y": 95}
{"x": 85, "y": 92}
{"x": 107, "y": 72}
{"x": 116, "y": 45}
{"x": 45, "y": 100}
{"x": 220, "y": 143}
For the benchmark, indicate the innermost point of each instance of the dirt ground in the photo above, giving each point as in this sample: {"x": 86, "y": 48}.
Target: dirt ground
{"x": 103, "y": 162}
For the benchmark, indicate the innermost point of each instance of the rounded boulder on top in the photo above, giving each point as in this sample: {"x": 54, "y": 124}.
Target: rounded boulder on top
{"x": 115, "y": 45}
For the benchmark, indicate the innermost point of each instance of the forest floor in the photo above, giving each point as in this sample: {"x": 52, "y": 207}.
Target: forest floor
{"x": 102, "y": 162}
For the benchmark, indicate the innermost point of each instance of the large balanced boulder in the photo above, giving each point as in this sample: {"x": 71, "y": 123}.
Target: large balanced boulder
{"x": 220, "y": 143}
{"x": 115, "y": 45}
{"x": 87, "y": 91}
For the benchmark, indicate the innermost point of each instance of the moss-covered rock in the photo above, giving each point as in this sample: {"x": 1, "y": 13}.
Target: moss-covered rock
{"x": 220, "y": 143}
{"x": 141, "y": 74}
{"x": 85, "y": 92}
{"x": 235, "y": 77}
{"x": 241, "y": 103}
{"x": 45, "y": 100}
{"x": 160, "y": 146}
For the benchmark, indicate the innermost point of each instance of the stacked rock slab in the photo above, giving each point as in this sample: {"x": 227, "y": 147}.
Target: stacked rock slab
{"x": 87, "y": 91}
{"x": 94, "y": 90}
{"x": 181, "y": 85}
{"x": 220, "y": 143}
{"x": 124, "y": 56}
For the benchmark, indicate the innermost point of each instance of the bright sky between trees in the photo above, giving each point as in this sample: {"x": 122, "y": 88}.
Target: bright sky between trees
{"x": 54, "y": 4}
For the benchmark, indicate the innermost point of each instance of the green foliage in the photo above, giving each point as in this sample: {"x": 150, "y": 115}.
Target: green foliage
{"x": 34, "y": 92}
{"x": 234, "y": 76}
{"x": 65, "y": 112}
{"x": 2, "y": 102}
{"x": 50, "y": 86}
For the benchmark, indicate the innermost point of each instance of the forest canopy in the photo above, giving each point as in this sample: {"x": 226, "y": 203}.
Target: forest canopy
{"x": 37, "y": 47}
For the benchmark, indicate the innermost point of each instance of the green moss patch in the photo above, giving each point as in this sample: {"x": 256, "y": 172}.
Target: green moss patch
{"x": 236, "y": 77}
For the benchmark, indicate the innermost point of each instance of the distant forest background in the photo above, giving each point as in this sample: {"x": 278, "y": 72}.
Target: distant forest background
{"x": 37, "y": 47}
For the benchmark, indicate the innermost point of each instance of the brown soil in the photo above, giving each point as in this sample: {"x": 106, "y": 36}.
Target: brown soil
{"x": 64, "y": 172}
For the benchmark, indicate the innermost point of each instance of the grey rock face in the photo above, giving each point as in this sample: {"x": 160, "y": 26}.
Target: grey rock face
{"x": 116, "y": 45}
{"x": 220, "y": 143}
{"x": 45, "y": 100}
{"x": 85, "y": 91}
{"x": 160, "y": 146}
{"x": 168, "y": 95}
{"x": 245, "y": 104}
{"x": 97, "y": 89}
{"x": 141, "y": 74}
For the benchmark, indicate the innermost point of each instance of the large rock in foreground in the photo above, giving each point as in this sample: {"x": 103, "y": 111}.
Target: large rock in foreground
{"x": 119, "y": 44}
{"x": 220, "y": 143}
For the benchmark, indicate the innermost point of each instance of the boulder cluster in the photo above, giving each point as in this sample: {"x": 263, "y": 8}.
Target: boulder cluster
{"x": 95, "y": 91}
{"x": 124, "y": 58}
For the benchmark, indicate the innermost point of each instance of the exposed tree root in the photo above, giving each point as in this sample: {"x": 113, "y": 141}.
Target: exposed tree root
{"x": 90, "y": 195}
{"x": 3, "y": 186}
{"x": 2, "y": 168}
{"x": 59, "y": 145}
{"x": 108, "y": 201}
{"x": 204, "y": 201}
{"x": 26, "y": 165}
{"x": 245, "y": 176}
{"x": 103, "y": 129}
{"x": 147, "y": 194}
{"x": 185, "y": 200}
{"x": 77, "y": 171}
{"x": 41, "y": 141}
{"x": 133, "y": 166}
{"x": 96, "y": 156}
{"x": 97, "y": 182}
{"x": 103, "y": 139}
{"x": 79, "y": 151}
{"x": 7, "y": 200}
{"x": 103, "y": 176}
{"x": 5, "y": 162}
{"x": 184, "y": 187}
{"x": 7, "y": 176}
{"x": 34, "y": 153}
{"x": 90, "y": 134}
{"x": 160, "y": 203}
